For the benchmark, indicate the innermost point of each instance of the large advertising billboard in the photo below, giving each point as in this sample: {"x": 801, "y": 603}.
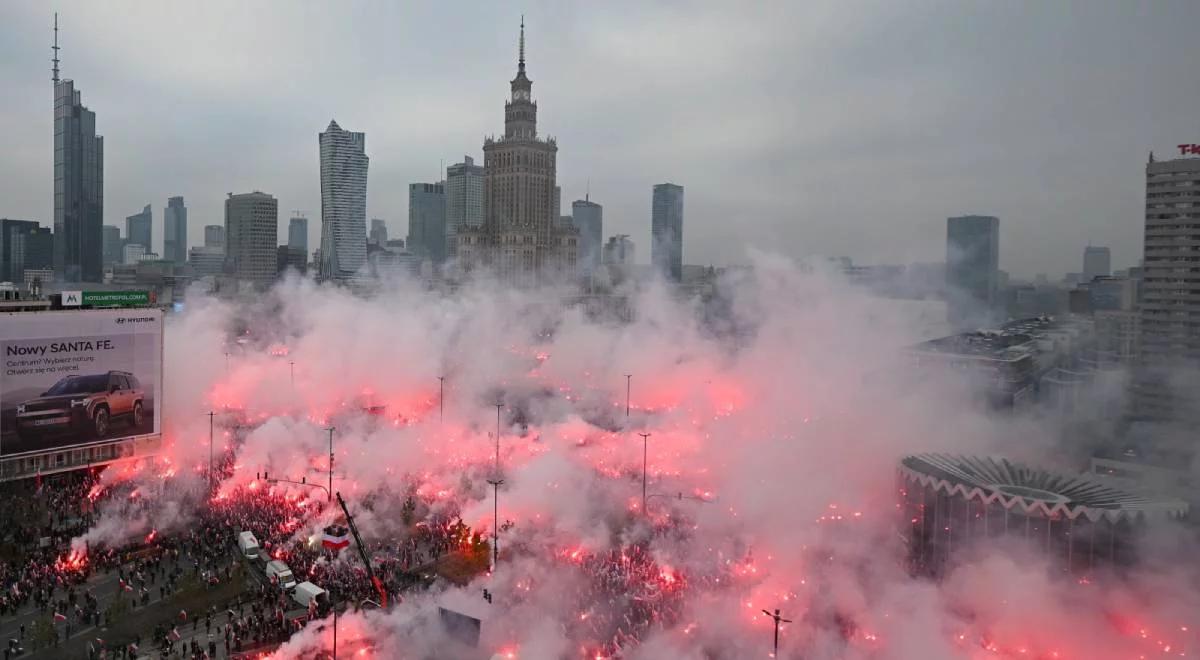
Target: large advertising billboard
{"x": 79, "y": 377}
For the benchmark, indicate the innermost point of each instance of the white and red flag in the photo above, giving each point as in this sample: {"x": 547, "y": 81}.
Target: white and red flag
{"x": 336, "y": 537}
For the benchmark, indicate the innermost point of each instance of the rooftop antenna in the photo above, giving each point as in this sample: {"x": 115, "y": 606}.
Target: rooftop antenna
{"x": 587, "y": 196}
{"x": 54, "y": 70}
{"x": 521, "y": 59}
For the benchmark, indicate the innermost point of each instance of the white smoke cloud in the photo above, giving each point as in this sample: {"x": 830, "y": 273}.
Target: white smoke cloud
{"x": 777, "y": 414}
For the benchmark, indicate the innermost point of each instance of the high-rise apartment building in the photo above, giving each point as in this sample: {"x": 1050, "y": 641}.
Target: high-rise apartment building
{"x": 1165, "y": 388}
{"x": 972, "y": 268}
{"x": 113, "y": 244}
{"x": 588, "y": 218}
{"x": 1097, "y": 262}
{"x": 521, "y": 241}
{"x": 78, "y": 183}
{"x": 298, "y": 233}
{"x": 139, "y": 229}
{"x": 666, "y": 230}
{"x": 427, "y": 221}
{"x": 251, "y": 237}
{"x": 214, "y": 236}
{"x": 464, "y": 200}
{"x": 343, "y": 202}
{"x": 10, "y": 232}
{"x": 175, "y": 231}
{"x": 379, "y": 233}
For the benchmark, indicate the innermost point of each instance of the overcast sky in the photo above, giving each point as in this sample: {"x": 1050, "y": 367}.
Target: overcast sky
{"x": 846, "y": 128}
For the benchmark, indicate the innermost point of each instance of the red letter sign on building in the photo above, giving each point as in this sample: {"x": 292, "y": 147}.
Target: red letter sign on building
{"x": 1185, "y": 149}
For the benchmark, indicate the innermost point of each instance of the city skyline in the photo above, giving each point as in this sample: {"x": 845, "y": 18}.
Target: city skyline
{"x": 789, "y": 200}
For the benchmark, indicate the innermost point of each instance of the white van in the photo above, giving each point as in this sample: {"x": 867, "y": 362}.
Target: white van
{"x": 248, "y": 545}
{"x": 306, "y": 592}
{"x": 282, "y": 575}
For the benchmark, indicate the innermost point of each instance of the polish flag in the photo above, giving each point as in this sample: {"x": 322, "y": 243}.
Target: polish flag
{"x": 59, "y": 617}
{"x": 336, "y": 537}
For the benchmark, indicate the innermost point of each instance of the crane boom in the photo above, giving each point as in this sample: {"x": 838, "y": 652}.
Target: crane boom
{"x": 362, "y": 552}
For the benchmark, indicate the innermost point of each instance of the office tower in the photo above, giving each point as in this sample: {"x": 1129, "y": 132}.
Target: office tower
{"x": 112, "y": 244}
{"x": 31, "y": 250}
{"x": 78, "y": 183}
{"x": 298, "y": 233}
{"x": 290, "y": 258}
{"x": 520, "y": 241}
{"x": 972, "y": 268}
{"x": 206, "y": 260}
{"x": 175, "y": 231}
{"x": 138, "y": 229}
{"x": 133, "y": 253}
{"x": 378, "y": 234}
{"x": 588, "y": 218}
{"x": 619, "y": 251}
{"x": 558, "y": 201}
{"x": 251, "y": 236}
{"x": 666, "y": 230}
{"x": 427, "y": 221}
{"x": 214, "y": 236}
{"x": 1165, "y": 386}
{"x": 464, "y": 200}
{"x": 10, "y": 230}
{"x": 1096, "y": 263}
{"x": 343, "y": 202}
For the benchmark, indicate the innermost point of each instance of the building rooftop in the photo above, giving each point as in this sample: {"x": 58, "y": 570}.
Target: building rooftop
{"x": 1011, "y": 341}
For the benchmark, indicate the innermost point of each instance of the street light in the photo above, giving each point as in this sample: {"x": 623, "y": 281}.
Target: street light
{"x": 292, "y": 368}
{"x": 330, "y": 491}
{"x": 498, "y": 407}
{"x": 778, "y": 619}
{"x": 211, "y": 415}
{"x": 495, "y": 519}
{"x": 645, "y": 445}
{"x": 441, "y": 398}
{"x": 628, "y": 386}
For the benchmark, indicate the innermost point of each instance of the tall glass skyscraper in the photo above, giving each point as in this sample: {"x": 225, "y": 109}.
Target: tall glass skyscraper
{"x": 175, "y": 231}
{"x": 427, "y": 221}
{"x": 666, "y": 230}
{"x": 78, "y": 184}
{"x": 298, "y": 233}
{"x": 588, "y": 218}
{"x": 972, "y": 268}
{"x": 464, "y": 200}
{"x": 139, "y": 229}
{"x": 343, "y": 202}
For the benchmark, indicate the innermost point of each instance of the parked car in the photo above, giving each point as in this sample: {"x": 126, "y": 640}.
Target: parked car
{"x": 83, "y": 405}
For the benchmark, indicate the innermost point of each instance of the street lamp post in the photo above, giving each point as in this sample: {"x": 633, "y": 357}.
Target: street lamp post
{"x": 292, "y": 368}
{"x": 330, "y": 491}
{"x": 628, "y": 386}
{"x": 335, "y": 622}
{"x": 441, "y": 398}
{"x": 645, "y": 445}
{"x": 211, "y": 415}
{"x": 498, "y": 407}
{"x": 496, "y": 519}
{"x": 778, "y": 620}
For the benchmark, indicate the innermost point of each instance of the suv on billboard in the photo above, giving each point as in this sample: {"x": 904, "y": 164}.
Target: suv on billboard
{"x": 83, "y": 405}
